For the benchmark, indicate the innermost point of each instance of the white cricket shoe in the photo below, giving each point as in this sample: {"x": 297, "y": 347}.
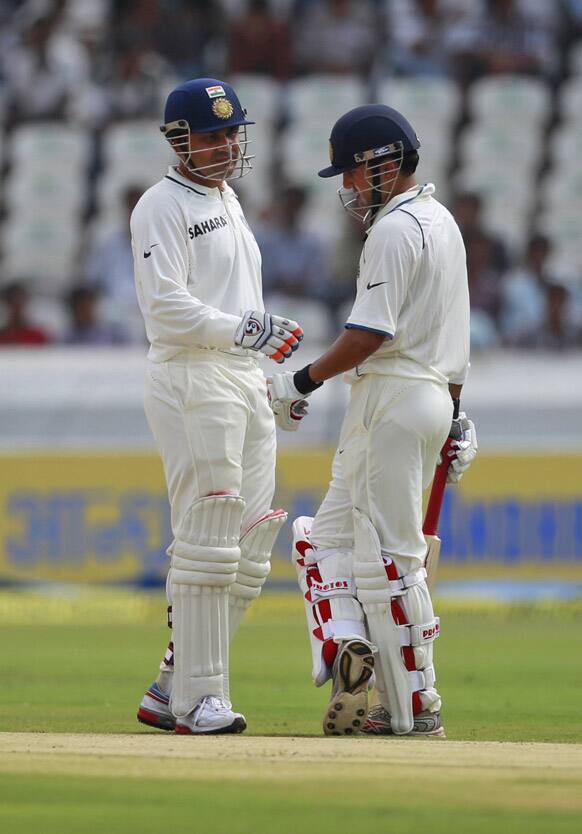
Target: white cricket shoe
{"x": 348, "y": 707}
{"x": 427, "y": 724}
{"x": 154, "y": 709}
{"x": 211, "y": 715}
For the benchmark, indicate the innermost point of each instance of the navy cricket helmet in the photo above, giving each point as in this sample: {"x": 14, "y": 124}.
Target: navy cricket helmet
{"x": 368, "y": 132}
{"x": 207, "y": 104}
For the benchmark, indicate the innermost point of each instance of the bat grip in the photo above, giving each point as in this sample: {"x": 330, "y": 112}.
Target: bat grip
{"x": 439, "y": 482}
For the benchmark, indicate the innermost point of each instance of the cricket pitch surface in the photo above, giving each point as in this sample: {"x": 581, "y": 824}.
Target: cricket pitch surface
{"x": 234, "y": 756}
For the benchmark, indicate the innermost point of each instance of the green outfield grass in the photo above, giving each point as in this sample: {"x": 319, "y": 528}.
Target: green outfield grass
{"x": 80, "y": 665}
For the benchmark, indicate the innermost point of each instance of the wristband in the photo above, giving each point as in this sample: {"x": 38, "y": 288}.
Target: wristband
{"x": 303, "y": 382}
{"x": 456, "y": 407}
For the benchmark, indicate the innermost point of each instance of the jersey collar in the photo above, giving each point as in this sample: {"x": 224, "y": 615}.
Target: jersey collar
{"x": 412, "y": 194}
{"x": 197, "y": 188}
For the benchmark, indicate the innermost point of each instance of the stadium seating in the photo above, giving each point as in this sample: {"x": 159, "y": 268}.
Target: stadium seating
{"x": 516, "y": 99}
{"x": 50, "y": 145}
{"x": 318, "y": 99}
{"x": 43, "y": 247}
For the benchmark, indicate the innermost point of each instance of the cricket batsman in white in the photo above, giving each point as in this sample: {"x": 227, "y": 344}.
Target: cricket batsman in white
{"x": 405, "y": 353}
{"x": 198, "y": 279}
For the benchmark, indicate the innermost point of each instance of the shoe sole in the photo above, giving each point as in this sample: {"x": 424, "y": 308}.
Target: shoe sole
{"x": 144, "y": 716}
{"x": 237, "y": 726}
{"x": 381, "y": 727}
{"x": 346, "y": 712}
{"x": 440, "y": 733}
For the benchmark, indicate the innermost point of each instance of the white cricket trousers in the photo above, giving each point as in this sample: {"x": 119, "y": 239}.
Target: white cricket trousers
{"x": 210, "y": 417}
{"x": 389, "y": 444}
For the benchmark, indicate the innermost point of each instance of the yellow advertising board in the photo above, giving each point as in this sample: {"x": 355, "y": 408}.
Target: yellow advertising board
{"x": 104, "y": 517}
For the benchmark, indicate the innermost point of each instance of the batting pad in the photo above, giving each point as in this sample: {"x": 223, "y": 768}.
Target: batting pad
{"x": 329, "y": 594}
{"x": 205, "y": 558}
{"x": 256, "y": 546}
{"x": 375, "y": 595}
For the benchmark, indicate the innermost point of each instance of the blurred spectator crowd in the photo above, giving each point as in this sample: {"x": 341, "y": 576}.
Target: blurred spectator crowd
{"x": 493, "y": 88}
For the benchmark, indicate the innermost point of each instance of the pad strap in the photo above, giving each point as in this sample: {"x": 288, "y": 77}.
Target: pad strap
{"x": 419, "y": 635}
{"x": 422, "y": 679}
{"x": 400, "y": 584}
{"x": 343, "y": 629}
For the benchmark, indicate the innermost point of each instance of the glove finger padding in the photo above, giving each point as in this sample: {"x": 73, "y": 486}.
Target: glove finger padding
{"x": 463, "y": 449}
{"x": 288, "y": 415}
{"x": 275, "y": 336}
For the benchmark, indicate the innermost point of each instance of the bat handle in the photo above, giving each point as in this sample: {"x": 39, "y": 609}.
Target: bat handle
{"x": 435, "y": 501}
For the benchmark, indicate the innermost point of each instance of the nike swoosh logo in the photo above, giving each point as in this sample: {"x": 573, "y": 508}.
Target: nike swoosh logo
{"x": 371, "y": 286}
{"x": 147, "y": 254}
{"x": 340, "y": 451}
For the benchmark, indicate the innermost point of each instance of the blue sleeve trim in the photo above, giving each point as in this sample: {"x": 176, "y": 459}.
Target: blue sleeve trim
{"x": 385, "y": 333}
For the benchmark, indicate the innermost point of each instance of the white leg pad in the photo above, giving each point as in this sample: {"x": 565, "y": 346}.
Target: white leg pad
{"x": 205, "y": 556}
{"x": 256, "y": 546}
{"x": 329, "y": 594}
{"x": 401, "y": 624}
{"x": 417, "y": 606}
{"x": 375, "y": 595}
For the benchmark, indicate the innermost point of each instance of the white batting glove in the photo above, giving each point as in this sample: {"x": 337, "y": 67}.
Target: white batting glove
{"x": 288, "y": 416}
{"x": 287, "y": 403}
{"x": 463, "y": 448}
{"x": 272, "y": 335}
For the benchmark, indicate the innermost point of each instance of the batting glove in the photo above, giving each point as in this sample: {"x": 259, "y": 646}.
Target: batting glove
{"x": 463, "y": 448}
{"x": 272, "y": 335}
{"x": 286, "y": 393}
{"x": 288, "y": 415}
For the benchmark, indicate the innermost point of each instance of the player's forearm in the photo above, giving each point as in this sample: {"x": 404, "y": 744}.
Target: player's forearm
{"x": 352, "y": 348}
{"x": 180, "y": 319}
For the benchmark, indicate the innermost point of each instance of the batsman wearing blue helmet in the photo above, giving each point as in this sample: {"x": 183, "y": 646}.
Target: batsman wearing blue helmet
{"x": 198, "y": 279}
{"x": 405, "y": 354}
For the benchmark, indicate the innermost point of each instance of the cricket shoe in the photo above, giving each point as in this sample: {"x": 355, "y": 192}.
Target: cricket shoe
{"x": 426, "y": 724}
{"x": 154, "y": 709}
{"x": 211, "y": 716}
{"x": 351, "y": 673}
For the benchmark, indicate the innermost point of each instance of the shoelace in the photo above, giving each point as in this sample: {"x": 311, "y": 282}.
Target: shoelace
{"x": 215, "y": 703}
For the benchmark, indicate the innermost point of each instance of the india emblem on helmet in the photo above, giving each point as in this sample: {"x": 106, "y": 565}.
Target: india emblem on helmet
{"x": 222, "y": 108}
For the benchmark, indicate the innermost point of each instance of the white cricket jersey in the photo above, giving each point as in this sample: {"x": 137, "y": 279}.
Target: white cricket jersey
{"x": 197, "y": 266}
{"x": 412, "y": 287}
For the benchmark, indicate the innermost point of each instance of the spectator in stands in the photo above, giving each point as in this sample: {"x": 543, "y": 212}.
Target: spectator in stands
{"x": 108, "y": 267}
{"x": 260, "y": 43}
{"x": 484, "y": 290}
{"x": 17, "y": 329}
{"x": 136, "y": 85}
{"x": 504, "y": 37}
{"x": 42, "y": 72}
{"x": 419, "y": 35}
{"x": 558, "y": 331}
{"x": 109, "y": 262}
{"x": 295, "y": 259}
{"x": 86, "y": 327}
{"x": 467, "y": 209}
{"x": 523, "y": 294}
{"x": 188, "y": 34}
{"x": 536, "y": 303}
{"x": 336, "y": 36}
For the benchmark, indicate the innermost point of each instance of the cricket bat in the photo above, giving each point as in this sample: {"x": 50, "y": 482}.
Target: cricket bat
{"x": 433, "y": 511}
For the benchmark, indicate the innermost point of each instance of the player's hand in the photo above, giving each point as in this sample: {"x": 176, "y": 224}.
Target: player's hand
{"x": 272, "y": 335}
{"x": 463, "y": 448}
{"x": 287, "y": 403}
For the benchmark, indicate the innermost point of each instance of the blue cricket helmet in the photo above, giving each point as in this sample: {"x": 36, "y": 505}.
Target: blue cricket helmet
{"x": 365, "y": 133}
{"x": 207, "y": 104}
